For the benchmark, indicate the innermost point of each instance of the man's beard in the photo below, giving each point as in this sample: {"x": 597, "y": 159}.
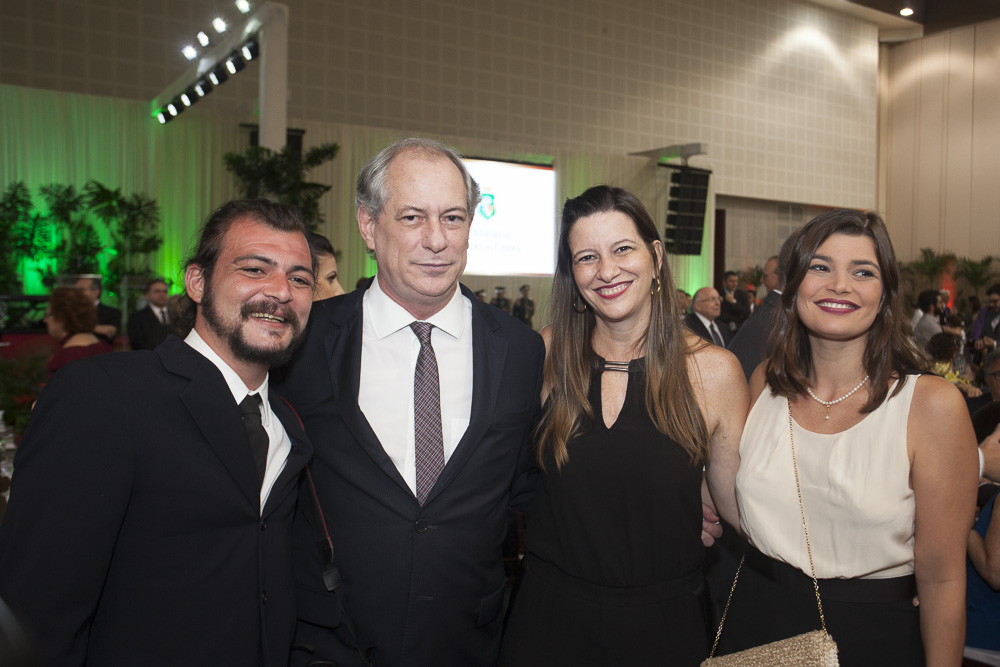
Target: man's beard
{"x": 233, "y": 333}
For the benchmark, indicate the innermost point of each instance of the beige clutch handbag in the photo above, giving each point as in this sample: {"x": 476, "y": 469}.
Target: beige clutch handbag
{"x": 812, "y": 649}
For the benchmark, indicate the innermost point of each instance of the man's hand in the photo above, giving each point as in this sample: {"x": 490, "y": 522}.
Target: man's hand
{"x": 711, "y": 529}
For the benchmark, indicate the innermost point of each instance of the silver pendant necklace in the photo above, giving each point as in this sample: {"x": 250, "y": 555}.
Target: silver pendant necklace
{"x": 836, "y": 400}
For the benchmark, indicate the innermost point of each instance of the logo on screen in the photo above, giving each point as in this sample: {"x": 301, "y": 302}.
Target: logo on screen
{"x": 487, "y": 207}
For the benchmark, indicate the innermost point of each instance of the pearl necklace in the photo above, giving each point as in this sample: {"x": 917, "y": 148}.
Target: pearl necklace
{"x": 837, "y": 400}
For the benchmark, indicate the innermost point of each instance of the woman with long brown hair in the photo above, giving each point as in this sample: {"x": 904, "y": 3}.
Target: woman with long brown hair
{"x": 882, "y": 457}
{"x": 634, "y": 409}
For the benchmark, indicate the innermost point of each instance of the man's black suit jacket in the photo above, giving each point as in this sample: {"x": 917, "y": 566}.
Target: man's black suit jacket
{"x": 749, "y": 342}
{"x": 134, "y": 534}
{"x": 145, "y": 330}
{"x": 735, "y": 313}
{"x": 692, "y": 322}
{"x": 424, "y": 585}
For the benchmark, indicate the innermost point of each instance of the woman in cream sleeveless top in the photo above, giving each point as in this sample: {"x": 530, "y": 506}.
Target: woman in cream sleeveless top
{"x": 886, "y": 462}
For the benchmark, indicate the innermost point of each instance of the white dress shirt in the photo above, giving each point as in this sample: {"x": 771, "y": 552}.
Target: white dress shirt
{"x": 708, "y": 325}
{"x": 389, "y": 351}
{"x": 161, "y": 313}
{"x": 279, "y": 444}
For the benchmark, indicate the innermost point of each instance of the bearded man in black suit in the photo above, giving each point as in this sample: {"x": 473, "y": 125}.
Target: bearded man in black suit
{"x": 150, "y": 518}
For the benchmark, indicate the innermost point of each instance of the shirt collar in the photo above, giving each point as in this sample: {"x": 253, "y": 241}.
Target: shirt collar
{"x": 233, "y": 381}
{"x": 704, "y": 320}
{"x": 388, "y": 317}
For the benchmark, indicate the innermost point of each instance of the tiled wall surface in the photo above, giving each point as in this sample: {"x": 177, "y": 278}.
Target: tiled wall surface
{"x": 782, "y": 92}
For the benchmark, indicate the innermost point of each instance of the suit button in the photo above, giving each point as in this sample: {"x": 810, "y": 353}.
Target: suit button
{"x": 263, "y": 597}
{"x": 263, "y": 524}
{"x": 421, "y": 526}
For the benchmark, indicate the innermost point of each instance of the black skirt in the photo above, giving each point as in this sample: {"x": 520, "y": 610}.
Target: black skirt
{"x": 873, "y": 621}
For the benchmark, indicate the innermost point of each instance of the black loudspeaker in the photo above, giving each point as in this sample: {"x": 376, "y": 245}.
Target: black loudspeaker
{"x": 686, "y": 211}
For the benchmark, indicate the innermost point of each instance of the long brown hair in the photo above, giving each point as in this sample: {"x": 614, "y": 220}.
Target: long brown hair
{"x": 670, "y": 399}
{"x": 888, "y": 351}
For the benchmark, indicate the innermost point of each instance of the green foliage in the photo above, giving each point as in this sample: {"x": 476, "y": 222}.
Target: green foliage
{"x": 22, "y": 235}
{"x": 929, "y": 267}
{"x": 978, "y": 273}
{"x": 21, "y": 380}
{"x": 260, "y": 172}
{"x": 79, "y": 247}
{"x": 133, "y": 221}
{"x": 66, "y": 232}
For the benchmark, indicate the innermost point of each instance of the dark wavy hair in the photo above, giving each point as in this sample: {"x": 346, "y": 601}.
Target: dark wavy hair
{"x": 273, "y": 215}
{"x": 889, "y": 351}
{"x": 670, "y": 399}
{"x": 74, "y": 310}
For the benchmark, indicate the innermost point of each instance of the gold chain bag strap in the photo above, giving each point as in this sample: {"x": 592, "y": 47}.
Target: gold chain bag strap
{"x": 812, "y": 649}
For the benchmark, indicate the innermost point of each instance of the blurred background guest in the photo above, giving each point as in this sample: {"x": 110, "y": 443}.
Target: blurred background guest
{"x": 150, "y": 326}
{"x": 942, "y": 350}
{"x": 109, "y": 319}
{"x": 982, "y": 634}
{"x": 500, "y": 299}
{"x": 70, "y": 318}
{"x": 988, "y": 377}
{"x": 524, "y": 307}
{"x": 327, "y": 282}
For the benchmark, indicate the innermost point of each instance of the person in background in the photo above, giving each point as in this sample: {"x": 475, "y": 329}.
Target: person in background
{"x": 885, "y": 460}
{"x": 635, "y": 407}
{"x": 703, "y": 319}
{"x": 70, "y": 318}
{"x": 150, "y": 326}
{"x": 988, "y": 375}
{"x": 735, "y": 303}
{"x": 524, "y": 307}
{"x": 500, "y": 299}
{"x": 684, "y": 301}
{"x": 481, "y": 295}
{"x": 928, "y": 302}
{"x": 327, "y": 282}
{"x": 109, "y": 319}
{"x": 942, "y": 350}
{"x": 985, "y": 330}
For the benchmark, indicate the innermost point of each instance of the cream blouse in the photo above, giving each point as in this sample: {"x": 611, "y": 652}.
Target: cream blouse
{"x": 855, "y": 487}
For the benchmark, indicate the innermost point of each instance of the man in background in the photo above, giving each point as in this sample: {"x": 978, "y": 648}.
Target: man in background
{"x": 150, "y": 326}
{"x": 108, "y": 318}
{"x": 735, "y": 303}
{"x": 749, "y": 342}
{"x": 704, "y": 318}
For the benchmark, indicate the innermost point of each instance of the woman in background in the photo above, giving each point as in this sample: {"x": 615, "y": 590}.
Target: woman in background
{"x": 885, "y": 458}
{"x": 70, "y": 318}
{"x": 327, "y": 277}
{"x": 634, "y": 408}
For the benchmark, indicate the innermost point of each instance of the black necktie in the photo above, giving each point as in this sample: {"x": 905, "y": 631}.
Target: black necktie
{"x": 428, "y": 440}
{"x": 716, "y": 336}
{"x": 250, "y": 407}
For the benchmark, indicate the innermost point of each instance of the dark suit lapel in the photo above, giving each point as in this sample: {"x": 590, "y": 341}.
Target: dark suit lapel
{"x": 298, "y": 457}
{"x": 343, "y": 350}
{"x": 489, "y": 352}
{"x": 211, "y": 405}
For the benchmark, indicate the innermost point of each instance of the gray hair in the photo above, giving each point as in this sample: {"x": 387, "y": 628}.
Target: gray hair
{"x": 373, "y": 188}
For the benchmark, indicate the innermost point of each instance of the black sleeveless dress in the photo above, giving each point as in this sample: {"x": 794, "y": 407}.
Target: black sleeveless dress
{"x": 614, "y": 564}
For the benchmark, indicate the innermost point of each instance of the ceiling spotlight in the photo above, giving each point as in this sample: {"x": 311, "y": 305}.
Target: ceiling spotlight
{"x": 189, "y": 52}
{"x": 186, "y": 99}
{"x": 172, "y": 108}
{"x": 219, "y": 25}
{"x": 202, "y": 88}
{"x": 243, "y": 6}
{"x": 906, "y": 11}
{"x": 162, "y": 117}
{"x": 250, "y": 50}
{"x": 235, "y": 63}
{"x": 218, "y": 75}
{"x": 203, "y": 38}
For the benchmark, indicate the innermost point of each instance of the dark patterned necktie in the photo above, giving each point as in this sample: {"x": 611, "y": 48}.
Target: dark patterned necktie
{"x": 250, "y": 407}
{"x": 716, "y": 336}
{"x": 426, "y": 414}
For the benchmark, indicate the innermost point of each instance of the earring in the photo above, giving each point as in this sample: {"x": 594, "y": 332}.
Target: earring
{"x": 579, "y": 305}
{"x": 653, "y": 291}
